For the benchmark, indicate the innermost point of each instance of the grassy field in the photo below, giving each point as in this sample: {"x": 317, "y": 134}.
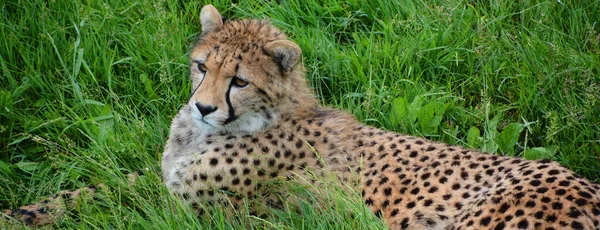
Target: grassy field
{"x": 88, "y": 89}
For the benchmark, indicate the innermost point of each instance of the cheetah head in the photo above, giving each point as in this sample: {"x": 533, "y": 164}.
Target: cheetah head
{"x": 244, "y": 73}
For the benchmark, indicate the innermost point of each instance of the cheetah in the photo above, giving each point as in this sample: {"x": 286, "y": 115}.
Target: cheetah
{"x": 252, "y": 119}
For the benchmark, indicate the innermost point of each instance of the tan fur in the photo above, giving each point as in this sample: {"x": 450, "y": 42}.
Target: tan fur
{"x": 50, "y": 209}
{"x": 411, "y": 182}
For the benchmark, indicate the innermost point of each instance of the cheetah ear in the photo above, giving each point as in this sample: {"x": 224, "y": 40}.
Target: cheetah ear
{"x": 210, "y": 18}
{"x": 284, "y": 52}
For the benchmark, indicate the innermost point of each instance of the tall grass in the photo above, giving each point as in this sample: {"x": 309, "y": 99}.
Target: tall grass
{"x": 88, "y": 88}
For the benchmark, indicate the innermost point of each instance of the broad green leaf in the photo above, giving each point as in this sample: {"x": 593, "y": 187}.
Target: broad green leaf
{"x": 40, "y": 102}
{"x": 473, "y": 137}
{"x": 105, "y": 122}
{"x": 27, "y": 166}
{"x": 490, "y": 146}
{"x": 399, "y": 111}
{"x": 491, "y": 126}
{"x": 430, "y": 116}
{"x": 34, "y": 149}
{"x": 508, "y": 137}
{"x": 539, "y": 153}
{"x": 414, "y": 109}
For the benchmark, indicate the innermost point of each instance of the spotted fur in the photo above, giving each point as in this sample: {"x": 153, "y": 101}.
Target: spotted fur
{"x": 48, "y": 210}
{"x": 280, "y": 130}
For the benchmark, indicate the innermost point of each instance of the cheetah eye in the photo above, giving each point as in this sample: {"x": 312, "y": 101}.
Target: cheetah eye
{"x": 240, "y": 83}
{"x": 202, "y": 67}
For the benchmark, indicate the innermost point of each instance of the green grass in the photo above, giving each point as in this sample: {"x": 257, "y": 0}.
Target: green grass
{"x": 88, "y": 89}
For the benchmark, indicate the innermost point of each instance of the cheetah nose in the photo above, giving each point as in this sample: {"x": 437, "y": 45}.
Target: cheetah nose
{"x": 205, "y": 109}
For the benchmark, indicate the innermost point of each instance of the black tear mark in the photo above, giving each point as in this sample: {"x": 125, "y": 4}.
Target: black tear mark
{"x": 231, "y": 116}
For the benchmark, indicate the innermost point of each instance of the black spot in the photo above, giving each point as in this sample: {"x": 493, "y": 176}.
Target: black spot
{"x": 574, "y": 213}
{"x": 576, "y": 225}
{"x": 564, "y": 183}
{"x": 404, "y": 223}
{"x": 425, "y": 176}
{"x": 385, "y": 204}
{"x": 523, "y": 224}
{"x": 265, "y": 149}
{"x": 428, "y": 202}
{"x": 458, "y": 205}
{"x": 214, "y": 161}
{"x": 414, "y": 191}
{"x": 519, "y": 195}
{"x": 413, "y": 154}
{"x": 464, "y": 175}
{"x": 519, "y": 213}
{"x": 585, "y": 194}
{"x": 456, "y": 186}
{"x": 581, "y": 202}
{"x": 503, "y": 207}
{"x": 369, "y": 201}
{"x": 485, "y": 221}
{"x": 551, "y": 218}
{"x": 387, "y": 191}
{"x": 24, "y": 212}
{"x": 530, "y": 204}
{"x": 500, "y": 226}
{"x": 440, "y": 208}
{"x": 66, "y": 197}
